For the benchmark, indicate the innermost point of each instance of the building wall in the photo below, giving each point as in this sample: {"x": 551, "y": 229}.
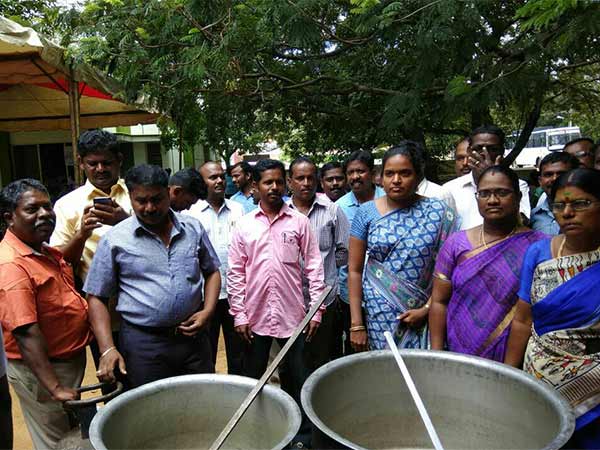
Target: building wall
{"x": 137, "y": 136}
{"x": 5, "y": 164}
{"x": 139, "y": 153}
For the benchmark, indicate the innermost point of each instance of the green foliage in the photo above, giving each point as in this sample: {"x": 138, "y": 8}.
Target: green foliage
{"x": 540, "y": 14}
{"x": 326, "y": 77}
{"x": 44, "y": 16}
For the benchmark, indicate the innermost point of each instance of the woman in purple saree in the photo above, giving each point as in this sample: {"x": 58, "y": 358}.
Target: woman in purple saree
{"x": 556, "y": 330}
{"x": 477, "y": 271}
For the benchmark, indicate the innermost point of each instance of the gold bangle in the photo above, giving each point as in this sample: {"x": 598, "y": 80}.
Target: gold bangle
{"x": 358, "y": 328}
{"x": 107, "y": 351}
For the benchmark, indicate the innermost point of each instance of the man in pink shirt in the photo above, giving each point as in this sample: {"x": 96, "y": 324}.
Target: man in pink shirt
{"x": 270, "y": 249}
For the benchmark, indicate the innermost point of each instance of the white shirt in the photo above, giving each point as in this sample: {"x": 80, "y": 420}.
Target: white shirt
{"x": 430, "y": 189}
{"x": 463, "y": 190}
{"x": 219, "y": 227}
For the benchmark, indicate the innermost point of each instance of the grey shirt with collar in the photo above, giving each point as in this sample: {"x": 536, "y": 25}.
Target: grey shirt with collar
{"x": 332, "y": 229}
{"x": 156, "y": 285}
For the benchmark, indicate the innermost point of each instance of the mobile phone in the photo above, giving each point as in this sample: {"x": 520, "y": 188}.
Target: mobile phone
{"x": 102, "y": 201}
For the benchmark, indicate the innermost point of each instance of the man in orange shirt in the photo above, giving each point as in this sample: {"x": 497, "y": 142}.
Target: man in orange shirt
{"x": 45, "y": 322}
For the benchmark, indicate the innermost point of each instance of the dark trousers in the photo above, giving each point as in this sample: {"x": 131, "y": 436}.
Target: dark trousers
{"x": 234, "y": 346}
{"x": 6, "y": 426}
{"x": 154, "y": 354}
{"x": 292, "y": 371}
{"x": 326, "y": 345}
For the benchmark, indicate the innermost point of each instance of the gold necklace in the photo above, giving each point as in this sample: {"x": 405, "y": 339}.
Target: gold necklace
{"x": 562, "y": 246}
{"x": 482, "y": 236}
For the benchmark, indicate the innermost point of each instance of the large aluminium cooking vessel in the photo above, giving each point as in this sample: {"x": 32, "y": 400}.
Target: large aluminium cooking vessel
{"x": 361, "y": 401}
{"x": 189, "y": 412}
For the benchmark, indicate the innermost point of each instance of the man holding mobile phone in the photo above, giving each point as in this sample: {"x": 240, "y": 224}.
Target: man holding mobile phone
{"x": 86, "y": 214}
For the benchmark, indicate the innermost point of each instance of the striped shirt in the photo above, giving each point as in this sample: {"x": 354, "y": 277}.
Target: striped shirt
{"x": 331, "y": 228}
{"x": 219, "y": 227}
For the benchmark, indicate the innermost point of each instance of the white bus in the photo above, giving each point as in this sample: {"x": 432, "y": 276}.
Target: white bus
{"x": 541, "y": 142}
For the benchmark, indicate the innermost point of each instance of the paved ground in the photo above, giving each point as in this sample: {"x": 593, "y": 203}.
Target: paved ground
{"x": 22, "y": 440}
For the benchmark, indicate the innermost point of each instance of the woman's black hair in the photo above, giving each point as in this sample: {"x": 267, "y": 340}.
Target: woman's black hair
{"x": 588, "y": 180}
{"x": 411, "y": 150}
{"x": 510, "y": 174}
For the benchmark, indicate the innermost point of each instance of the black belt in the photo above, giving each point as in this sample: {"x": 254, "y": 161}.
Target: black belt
{"x": 159, "y": 331}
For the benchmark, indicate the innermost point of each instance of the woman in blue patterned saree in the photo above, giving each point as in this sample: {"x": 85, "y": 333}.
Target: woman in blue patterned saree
{"x": 556, "y": 329}
{"x": 399, "y": 235}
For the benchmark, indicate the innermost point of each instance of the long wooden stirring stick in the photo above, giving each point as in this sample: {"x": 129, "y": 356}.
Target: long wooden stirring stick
{"x": 269, "y": 372}
{"x": 413, "y": 392}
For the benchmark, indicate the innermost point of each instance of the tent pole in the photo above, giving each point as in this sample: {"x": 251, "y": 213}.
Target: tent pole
{"x": 74, "y": 119}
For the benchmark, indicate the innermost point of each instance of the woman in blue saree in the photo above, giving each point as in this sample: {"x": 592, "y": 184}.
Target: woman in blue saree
{"x": 401, "y": 233}
{"x": 556, "y": 330}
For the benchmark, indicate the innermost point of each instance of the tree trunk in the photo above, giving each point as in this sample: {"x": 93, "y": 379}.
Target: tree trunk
{"x": 530, "y": 124}
{"x": 480, "y": 115}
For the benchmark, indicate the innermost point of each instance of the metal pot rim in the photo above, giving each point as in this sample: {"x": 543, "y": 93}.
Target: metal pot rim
{"x": 276, "y": 393}
{"x": 567, "y": 421}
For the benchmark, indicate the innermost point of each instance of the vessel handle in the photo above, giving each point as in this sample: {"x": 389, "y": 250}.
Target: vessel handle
{"x": 83, "y": 403}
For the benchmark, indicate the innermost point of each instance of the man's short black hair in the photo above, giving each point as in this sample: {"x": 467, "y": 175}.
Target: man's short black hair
{"x": 362, "y": 156}
{"x": 12, "y": 193}
{"x": 246, "y": 168}
{"x": 488, "y": 129}
{"x": 190, "y": 180}
{"x": 330, "y": 166}
{"x": 562, "y": 157}
{"x": 266, "y": 164}
{"x": 94, "y": 141}
{"x": 580, "y": 139}
{"x": 301, "y": 160}
{"x": 146, "y": 175}
{"x": 460, "y": 141}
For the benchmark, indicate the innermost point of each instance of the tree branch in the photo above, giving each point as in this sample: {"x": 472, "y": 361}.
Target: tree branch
{"x": 532, "y": 119}
{"x": 328, "y": 32}
{"x": 577, "y": 65}
{"x": 418, "y": 10}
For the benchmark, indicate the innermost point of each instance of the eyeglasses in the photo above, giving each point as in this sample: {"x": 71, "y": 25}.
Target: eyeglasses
{"x": 498, "y": 193}
{"x": 576, "y": 205}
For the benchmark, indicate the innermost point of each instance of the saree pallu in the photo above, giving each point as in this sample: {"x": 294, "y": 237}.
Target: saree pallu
{"x": 564, "y": 348}
{"x": 402, "y": 246}
{"x": 485, "y": 283}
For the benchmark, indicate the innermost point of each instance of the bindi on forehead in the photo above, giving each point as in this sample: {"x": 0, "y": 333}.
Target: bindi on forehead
{"x": 567, "y": 195}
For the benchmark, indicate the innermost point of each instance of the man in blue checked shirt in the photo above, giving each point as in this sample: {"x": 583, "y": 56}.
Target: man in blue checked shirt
{"x": 159, "y": 264}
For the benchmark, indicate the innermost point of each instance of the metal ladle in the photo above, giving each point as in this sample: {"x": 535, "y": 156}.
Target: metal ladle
{"x": 413, "y": 392}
